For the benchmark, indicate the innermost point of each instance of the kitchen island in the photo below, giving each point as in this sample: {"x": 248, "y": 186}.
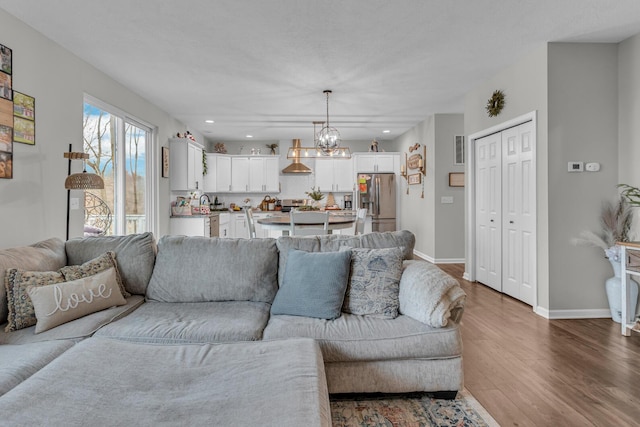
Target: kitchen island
{"x": 337, "y": 221}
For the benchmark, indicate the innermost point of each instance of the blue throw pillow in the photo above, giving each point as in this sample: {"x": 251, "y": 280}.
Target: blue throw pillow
{"x": 313, "y": 285}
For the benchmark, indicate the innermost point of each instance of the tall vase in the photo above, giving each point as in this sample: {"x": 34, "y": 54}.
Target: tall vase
{"x": 614, "y": 292}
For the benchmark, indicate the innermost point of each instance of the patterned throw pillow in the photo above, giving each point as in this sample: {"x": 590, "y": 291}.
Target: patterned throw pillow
{"x": 94, "y": 266}
{"x": 63, "y": 302}
{"x": 374, "y": 283}
{"x": 21, "y": 313}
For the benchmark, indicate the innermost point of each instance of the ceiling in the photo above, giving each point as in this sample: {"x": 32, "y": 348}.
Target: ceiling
{"x": 259, "y": 67}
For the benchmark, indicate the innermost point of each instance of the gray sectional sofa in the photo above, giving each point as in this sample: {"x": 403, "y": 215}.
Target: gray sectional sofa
{"x": 207, "y": 303}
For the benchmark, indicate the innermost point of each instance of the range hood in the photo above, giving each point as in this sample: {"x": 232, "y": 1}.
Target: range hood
{"x": 296, "y": 167}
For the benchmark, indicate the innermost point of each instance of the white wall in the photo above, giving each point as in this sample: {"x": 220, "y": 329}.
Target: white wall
{"x": 583, "y": 126}
{"x": 439, "y": 228}
{"x": 574, "y": 89}
{"x": 33, "y": 203}
{"x": 525, "y": 87}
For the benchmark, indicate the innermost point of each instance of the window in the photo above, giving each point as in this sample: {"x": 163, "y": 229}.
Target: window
{"x": 119, "y": 149}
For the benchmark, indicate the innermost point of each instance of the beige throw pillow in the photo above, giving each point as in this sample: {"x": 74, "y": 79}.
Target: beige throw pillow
{"x": 103, "y": 262}
{"x": 62, "y": 302}
{"x": 21, "y": 314}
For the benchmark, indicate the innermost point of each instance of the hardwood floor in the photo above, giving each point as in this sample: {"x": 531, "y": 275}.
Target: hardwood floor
{"x": 530, "y": 371}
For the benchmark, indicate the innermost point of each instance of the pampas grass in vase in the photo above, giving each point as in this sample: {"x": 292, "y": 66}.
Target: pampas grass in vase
{"x": 615, "y": 220}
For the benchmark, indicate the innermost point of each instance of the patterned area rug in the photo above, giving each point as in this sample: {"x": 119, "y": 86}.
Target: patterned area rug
{"x": 415, "y": 410}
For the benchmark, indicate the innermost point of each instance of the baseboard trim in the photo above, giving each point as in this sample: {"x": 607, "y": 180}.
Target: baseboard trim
{"x": 438, "y": 260}
{"x": 595, "y": 313}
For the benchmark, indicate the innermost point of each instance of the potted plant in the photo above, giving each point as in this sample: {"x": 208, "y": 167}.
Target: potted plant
{"x": 316, "y": 196}
{"x": 615, "y": 220}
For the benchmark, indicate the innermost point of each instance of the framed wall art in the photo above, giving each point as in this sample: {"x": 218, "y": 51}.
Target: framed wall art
{"x": 6, "y": 60}
{"x": 6, "y": 91}
{"x": 415, "y": 178}
{"x": 456, "y": 179}
{"x": 24, "y": 118}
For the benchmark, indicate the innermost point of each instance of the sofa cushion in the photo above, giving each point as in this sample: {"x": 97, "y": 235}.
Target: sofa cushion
{"x": 351, "y": 338}
{"x": 314, "y": 284}
{"x": 19, "y": 362}
{"x": 103, "y": 262}
{"x": 48, "y": 255}
{"x": 135, "y": 254}
{"x": 63, "y": 302}
{"x": 374, "y": 282}
{"x": 331, "y": 243}
{"x": 191, "y": 322}
{"x": 78, "y": 329}
{"x": 200, "y": 269}
{"x": 17, "y": 282}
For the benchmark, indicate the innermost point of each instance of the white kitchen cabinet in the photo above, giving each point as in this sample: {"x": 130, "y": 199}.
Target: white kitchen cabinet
{"x": 218, "y": 177}
{"x": 334, "y": 175}
{"x": 185, "y": 165}
{"x": 376, "y": 162}
{"x": 239, "y": 225}
{"x": 255, "y": 174}
{"x": 225, "y": 225}
{"x": 190, "y": 226}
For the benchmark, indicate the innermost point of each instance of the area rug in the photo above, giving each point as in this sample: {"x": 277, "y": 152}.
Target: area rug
{"x": 415, "y": 410}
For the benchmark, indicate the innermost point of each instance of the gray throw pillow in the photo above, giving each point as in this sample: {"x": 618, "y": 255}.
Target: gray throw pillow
{"x": 313, "y": 285}
{"x": 374, "y": 284}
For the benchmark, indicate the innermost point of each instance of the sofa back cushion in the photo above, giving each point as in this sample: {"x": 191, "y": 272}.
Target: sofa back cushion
{"x": 332, "y": 243}
{"x": 201, "y": 269}
{"x": 48, "y": 255}
{"x": 135, "y": 256}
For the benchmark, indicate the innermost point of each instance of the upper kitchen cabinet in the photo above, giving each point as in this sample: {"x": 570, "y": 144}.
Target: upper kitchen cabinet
{"x": 218, "y": 177}
{"x": 255, "y": 174}
{"x": 334, "y": 175}
{"x": 185, "y": 165}
{"x": 376, "y": 162}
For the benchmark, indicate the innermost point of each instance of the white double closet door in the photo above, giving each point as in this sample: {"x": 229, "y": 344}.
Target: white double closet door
{"x": 506, "y": 211}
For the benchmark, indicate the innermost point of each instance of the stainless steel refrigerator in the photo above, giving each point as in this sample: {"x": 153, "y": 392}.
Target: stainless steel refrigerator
{"x": 377, "y": 194}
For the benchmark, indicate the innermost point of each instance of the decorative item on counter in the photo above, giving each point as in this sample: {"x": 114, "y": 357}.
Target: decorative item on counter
{"x": 331, "y": 203}
{"x": 180, "y": 207}
{"x": 316, "y": 195}
{"x": 255, "y": 151}
{"x": 220, "y": 148}
{"x": 247, "y": 202}
{"x": 272, "y": 147}
{"x": 266, "y": 203}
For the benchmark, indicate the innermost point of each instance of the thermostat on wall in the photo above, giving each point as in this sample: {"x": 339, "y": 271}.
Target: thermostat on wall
{"x": 576, "y": 166}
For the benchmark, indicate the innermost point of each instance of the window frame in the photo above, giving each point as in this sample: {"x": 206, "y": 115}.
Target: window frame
{"x": 151, "y": 166}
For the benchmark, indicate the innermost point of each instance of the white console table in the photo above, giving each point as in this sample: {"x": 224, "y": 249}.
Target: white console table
{"x": 629, "y": 257}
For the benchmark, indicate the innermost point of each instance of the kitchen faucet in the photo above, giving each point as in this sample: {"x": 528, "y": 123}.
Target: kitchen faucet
{"x": 203, "y": 198}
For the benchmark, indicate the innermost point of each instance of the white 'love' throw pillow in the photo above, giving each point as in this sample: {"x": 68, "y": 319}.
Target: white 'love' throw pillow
{"x": 62, "y": 302}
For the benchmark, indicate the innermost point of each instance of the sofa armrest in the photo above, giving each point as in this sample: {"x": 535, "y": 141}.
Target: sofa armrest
{"x": 430, "y": 295}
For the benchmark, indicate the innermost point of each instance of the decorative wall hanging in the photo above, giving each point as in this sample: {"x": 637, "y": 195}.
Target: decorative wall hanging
{"x": 6, "y": 113}
{"x": 6, "y": 59}
{"x": 415, "y": 161}
{"x": 165, "y": 162}
{"x": 24, "y": 118}
{"x": 495, "y": 104}
{"x": 415, "y": 178}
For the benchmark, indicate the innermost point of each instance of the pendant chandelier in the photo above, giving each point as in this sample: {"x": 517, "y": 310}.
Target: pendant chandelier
{"x": 327, "y": 141}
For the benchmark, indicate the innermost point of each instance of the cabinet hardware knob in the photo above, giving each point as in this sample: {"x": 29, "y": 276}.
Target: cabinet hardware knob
{"x": 510, "y": 222}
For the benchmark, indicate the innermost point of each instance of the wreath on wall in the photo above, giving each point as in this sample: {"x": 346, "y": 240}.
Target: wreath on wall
{"x": 495, "y": 104}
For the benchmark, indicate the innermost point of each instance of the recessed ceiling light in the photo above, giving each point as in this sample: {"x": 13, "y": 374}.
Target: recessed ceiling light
{"x": 209, "y": 121}
{"x": 249, "y": 136}
{"x": 386, "y": 131}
